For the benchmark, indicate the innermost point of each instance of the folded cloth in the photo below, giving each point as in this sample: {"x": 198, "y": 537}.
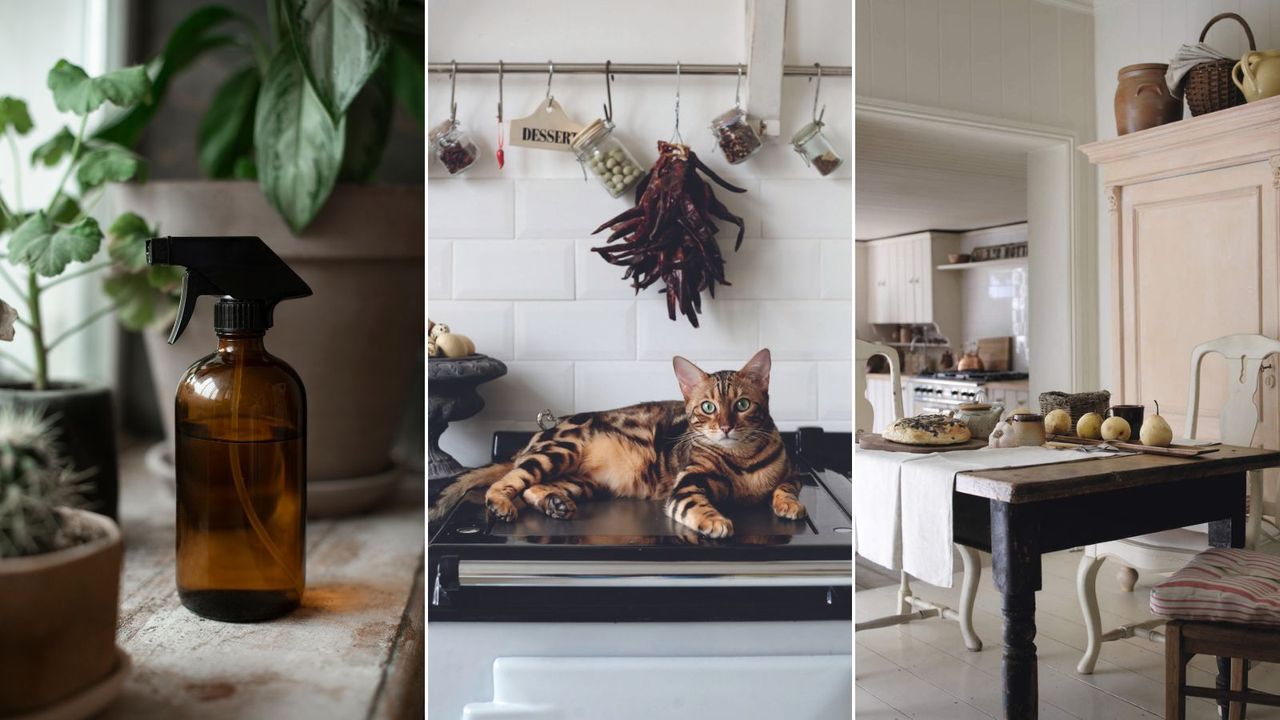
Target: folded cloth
{"x": 1187, "y": 57}
{"x": 902, "y": 502}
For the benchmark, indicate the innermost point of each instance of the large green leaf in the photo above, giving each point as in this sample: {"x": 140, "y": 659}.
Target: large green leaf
{"x": 226, "y": 131}
{"x": 107, "y": 163}
{"x": 48, "y": 249}
{"x": 50, "y": 152}
{"x": 74, "y": 91}
{"x": 13, "y": 114}
{"x": 340, "y": 43}
{"x": 297, "y": 149}
{"x": 368, "y": 128}
{"x": 139, "y": 304}
{"x": 190, "y": 40}
{"x": 127, "y": 241}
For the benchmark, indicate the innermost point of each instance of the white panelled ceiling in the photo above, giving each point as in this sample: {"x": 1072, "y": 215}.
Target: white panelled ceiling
{"x": 914, "y": 175}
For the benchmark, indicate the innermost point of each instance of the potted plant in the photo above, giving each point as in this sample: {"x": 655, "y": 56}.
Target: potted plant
{"x": 49, "y": 242}
{"x": 60, "y": 574}
{"x": 290, "y": 143}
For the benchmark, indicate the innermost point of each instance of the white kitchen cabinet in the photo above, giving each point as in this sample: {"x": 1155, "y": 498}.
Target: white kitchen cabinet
{"x": 905, "y": 285}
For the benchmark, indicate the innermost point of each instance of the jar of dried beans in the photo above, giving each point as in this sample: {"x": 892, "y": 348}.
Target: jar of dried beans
{"x": 736, "y": 136}
{"x": 607, "y": 158}
{"x": 816, "y": 150}
{"x": 452, "y": 147}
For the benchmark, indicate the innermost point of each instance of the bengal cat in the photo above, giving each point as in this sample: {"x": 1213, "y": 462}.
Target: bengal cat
{"x": 719, "y": 446}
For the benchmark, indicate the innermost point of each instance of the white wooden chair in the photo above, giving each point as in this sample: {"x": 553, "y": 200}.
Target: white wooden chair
{"x": 1168, "y": 551}
{"x": 911, "y": 607}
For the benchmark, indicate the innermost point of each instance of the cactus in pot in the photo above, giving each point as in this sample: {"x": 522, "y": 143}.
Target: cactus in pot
{"x": 37, "y": 484}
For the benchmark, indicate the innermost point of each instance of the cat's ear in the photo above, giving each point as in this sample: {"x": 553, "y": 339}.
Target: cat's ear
{"x": 757, "y": 369}
{"x": 688, "y": 374}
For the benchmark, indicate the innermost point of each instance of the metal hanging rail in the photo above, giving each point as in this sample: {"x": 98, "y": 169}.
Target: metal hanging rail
{"x": 628, "y": 69}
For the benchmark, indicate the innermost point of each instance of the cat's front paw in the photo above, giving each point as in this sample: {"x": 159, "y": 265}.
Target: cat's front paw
{"x": 501, "y": 507}
{"x": 714, "y": 526}
{"x": 789, "y": 508}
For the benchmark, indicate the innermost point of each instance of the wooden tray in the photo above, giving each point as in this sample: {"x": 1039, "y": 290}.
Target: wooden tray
{"x": 1172, "y": 450}
{"x": 873, "y": 441}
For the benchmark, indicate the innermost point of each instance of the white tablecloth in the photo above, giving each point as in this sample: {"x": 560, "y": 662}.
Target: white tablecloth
{"x": 902, "y": 502}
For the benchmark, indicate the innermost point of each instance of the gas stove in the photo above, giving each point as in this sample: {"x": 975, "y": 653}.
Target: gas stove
{"x": 946, "y": 390}
{"x": 975, "y": 375}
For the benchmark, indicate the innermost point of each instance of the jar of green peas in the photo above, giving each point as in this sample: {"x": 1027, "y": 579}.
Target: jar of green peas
{"x": 607, "y": 158}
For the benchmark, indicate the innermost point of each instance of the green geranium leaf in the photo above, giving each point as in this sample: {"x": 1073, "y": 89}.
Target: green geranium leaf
{"x": 368, "y": 123}
{"x": 127, "y": 241}
{"x": 65, "y": 209}
{"x": 340, "y": 44}
{"x": 138, "y": 304}
{"x": 50, "y": 152}
{"x": 298, "y": 149}
{"x": 226, "y": 131}
{"x": 13, "y": 114}
{"x": 107, "y": 163}
{"x": 48, "y": 249}
{"x": 74, "y": 91}
{"x": 167, "y": 278}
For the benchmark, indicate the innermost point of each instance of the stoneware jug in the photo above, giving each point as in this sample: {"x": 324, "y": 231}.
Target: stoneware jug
{"x": 1258, "y": 75}
{"x": 1019, "y": 430}
{"x": 1143, "y": 100}
{"x": 981, "y": 418}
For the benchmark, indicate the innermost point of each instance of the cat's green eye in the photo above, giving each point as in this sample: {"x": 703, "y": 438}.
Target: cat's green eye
{"x": 708, "y": 407}
{"x": 742, "y": 404}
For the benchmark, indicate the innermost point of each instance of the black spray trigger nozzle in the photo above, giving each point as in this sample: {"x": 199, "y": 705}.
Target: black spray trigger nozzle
{"x": 249, "y": 278}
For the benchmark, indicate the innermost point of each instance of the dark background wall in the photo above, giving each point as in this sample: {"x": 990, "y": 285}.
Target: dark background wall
{"x": 169, "y": 144}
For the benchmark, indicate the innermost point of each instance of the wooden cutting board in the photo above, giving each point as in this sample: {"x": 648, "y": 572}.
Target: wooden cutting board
{"x": 995, "y": 353}
{"x": 1172, "y": 450}
{"x": 873, "y": 441}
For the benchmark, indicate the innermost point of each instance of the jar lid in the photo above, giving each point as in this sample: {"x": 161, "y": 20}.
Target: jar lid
{"x": 730, "y": 116}
{"x": 440, "y": 131}
{"x": 806, "y": 133}
{"x": 590, "y": 134}
{"x": 1028, "y": 417}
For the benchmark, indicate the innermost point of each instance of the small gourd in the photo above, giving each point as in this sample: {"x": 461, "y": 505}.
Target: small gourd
{"x": 433, "y": 350}
{"x": 439, "y": 329}
{"x": 454, "y": 345}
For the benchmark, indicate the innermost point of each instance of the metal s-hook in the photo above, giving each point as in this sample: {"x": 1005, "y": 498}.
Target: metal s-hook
{"x": 817, "y": 116}
{"x": 676, "y": 134}
{"x": 737, "y": 89}
{"x": 608, "y": 92}
{"x": 453, "y": 86}
{"x": 551, "y": 72}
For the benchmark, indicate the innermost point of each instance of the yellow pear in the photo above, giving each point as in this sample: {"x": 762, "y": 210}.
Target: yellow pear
{"x": 1089, "y": 426}
{"x": 1116, "y": 428}
{"x": 1057, "y": 422}
{"x": 1155, "y": 431}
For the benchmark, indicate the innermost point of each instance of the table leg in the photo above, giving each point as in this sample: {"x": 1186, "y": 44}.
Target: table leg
{"x": 1015, "y": 564}
{"x": 1229, "y": 532}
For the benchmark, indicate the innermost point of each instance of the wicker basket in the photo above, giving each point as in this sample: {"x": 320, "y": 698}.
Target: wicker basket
{"x": 1208, "y": 86}
{"x": 1076, "y": 404}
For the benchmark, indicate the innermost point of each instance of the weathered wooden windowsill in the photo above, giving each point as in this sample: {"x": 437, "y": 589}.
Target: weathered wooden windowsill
{"x": 353, "y": 650}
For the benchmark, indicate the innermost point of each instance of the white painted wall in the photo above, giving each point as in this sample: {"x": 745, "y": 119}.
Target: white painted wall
{"x": 508, "y": 250}
{"x": 994, "y": 299}
{"x": 1129, "y": 32}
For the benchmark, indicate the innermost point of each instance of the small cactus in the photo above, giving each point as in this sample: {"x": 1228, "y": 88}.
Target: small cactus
{"x": 36, "y": 480}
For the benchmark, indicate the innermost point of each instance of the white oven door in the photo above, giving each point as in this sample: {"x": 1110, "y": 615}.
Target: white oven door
{"x": 815, "y": 687}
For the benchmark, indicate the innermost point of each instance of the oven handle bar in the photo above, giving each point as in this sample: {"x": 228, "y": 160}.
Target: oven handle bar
{"x": 622, "y": 573}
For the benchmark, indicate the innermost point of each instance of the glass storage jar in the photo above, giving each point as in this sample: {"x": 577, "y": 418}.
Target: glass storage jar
{"x": 452, "y": 147}
{"x": 607, "y": 158}
{"x": 816, "y": 150}
{"x": 737, "y": 138}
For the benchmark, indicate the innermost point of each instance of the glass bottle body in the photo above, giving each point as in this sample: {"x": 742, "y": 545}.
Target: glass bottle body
{"x": 452, "y": 147}
{"x": 607, "y": 158}
{"x": 735, "y": 135}
{"x": 240, "y": 458}
{"x": 817, "y": 151}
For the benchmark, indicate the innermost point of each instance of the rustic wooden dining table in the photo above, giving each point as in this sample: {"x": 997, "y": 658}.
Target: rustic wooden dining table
{"x": 1019, "y": 514}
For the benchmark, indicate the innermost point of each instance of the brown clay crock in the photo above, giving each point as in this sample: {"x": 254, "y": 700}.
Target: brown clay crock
{"x": 1143, "y": 100}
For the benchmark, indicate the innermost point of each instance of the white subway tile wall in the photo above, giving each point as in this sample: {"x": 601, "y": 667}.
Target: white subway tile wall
{"x": 510, "y": 265}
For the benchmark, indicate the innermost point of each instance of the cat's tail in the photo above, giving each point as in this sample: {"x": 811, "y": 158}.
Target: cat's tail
{"x": 466, "y": 482}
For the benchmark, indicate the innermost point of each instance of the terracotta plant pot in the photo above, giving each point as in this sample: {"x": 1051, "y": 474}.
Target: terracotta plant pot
{"x": 58, "y": 614}
{"x": 355, "y": 342}
{"x": 84, "y": 423}
{"x": 1143, "y": 100}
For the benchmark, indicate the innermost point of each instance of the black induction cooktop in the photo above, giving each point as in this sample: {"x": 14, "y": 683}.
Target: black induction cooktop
{"x": 624, "y": 560}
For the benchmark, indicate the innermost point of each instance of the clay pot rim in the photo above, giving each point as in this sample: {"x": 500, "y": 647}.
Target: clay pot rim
{"x": 1127, "y": 69}
{"x": 109, "y": 536}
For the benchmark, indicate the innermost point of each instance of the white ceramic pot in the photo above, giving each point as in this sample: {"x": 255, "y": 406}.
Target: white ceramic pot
{"x": 58, "y": 619}
{"x": 355, "y": 342}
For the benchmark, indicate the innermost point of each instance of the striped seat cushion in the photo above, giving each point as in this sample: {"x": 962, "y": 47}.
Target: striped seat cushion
{"x": 1223, "y": 585}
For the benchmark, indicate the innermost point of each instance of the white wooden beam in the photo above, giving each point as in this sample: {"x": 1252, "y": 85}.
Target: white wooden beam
{"x": 766, "y": 32}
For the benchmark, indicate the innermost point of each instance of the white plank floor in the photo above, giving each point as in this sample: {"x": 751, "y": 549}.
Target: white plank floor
{"x": 923, "y": 671}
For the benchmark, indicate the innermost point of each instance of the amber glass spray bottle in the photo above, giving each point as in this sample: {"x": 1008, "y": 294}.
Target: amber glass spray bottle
{"x": 241, "y": 437}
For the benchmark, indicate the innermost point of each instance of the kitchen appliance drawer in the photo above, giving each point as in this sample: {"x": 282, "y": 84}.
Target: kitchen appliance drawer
{"x": 642, "y": 688}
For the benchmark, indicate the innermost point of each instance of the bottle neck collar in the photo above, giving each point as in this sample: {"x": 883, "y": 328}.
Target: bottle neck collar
{"x": 241, "y": 342}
